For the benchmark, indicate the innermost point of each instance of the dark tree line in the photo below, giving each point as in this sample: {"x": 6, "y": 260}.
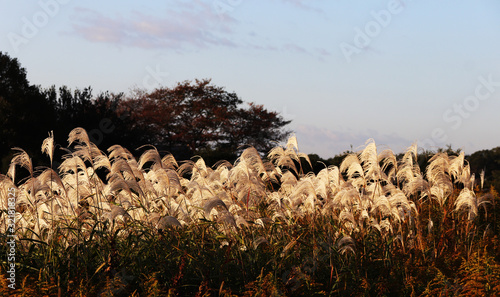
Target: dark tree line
{"x": 192, "y": 118}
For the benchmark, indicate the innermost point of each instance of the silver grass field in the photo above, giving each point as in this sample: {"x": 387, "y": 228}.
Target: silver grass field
{"x": 373, "y": 196}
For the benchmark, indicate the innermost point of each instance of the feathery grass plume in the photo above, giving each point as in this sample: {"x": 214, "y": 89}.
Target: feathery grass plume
{"x": 386, "y": 227}
{"x": 456, "y": 166}
{"x": 389, "y": 164}
{"x": 221, "y": 164}
{"x": 438, "y": 166}
{"x": 117, "y": 151}
{"x": 370, "y": 160}
{"x": 115, "y": 212}
{"x": 102, "y": 161}
{"x": 195, "y": 192}
{"x": 168, "y": 221}
{"x": 253, "y": 162}
{"x": 406, "y": 174}
{"x": 345, "y": 244}
{"x": 288, "y": 182}
{"x": 481, "y": 175}
{"x": 346, "y": 197}
{"x": 22, "y": 159}
{"x": 166, "y": 182}
{"x": 411, "y": 154}
{"x": 168, "y": 162}
{"x": 290, "y": 245}
{"x": 440, "y": 193}
{"x": 240, "y": 221}
{"x": 80, "y": 135}
{"x": 352, "y": 165}
{"x": 198, "y": 169}
{"x": 72, "y": 164}
{"x": 417, "y": 185}
{"x": 227, "y": 220}
{"x": 28, "y": 196}
{"x": 466, "y": 178}
{"x": 261, "y": 240}
{"x": 468, "y": 199}
{"x": 286, "y": 157}
{"x": 322, "y": 185}
{"x": 292, "y": 145}
{"x": 400, "y": 207}
{"x": 152, "y": 155}
{"x": 87, "y": 152}
{"x": 48, "y": 146}
{"x": 408, "y": 168}
{"x": 348, "y": 221}
{"x": 305, "y": 188}
{"x": 399, "y": 200}
{"x": 185, "y": 168}
{"x": 116, "y": 182}
{"x": 430, "y": 225}
{"x": 336, "y": 179}
{"x": 213, "y": 203}
{"x": 282, "y": 158}
{"x": 215, "y": 180}
{"x": 246, "y": 181}
{"x": 375, "y": 203}
{"x": 440, "y": 181}
{"x": 122, "y": 168}
{"x": 34, "y": 186}
{"x": 383, "y": 207}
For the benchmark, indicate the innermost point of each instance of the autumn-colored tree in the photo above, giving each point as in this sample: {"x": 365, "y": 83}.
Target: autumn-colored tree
{"x": 199, "y": 117}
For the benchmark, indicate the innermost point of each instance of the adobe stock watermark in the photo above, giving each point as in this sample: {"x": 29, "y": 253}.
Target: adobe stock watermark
{"x": 11, "y": 238}
{"x": 365, "y": 35}
{"x": 155, "y": 77}
{"x": 223, "y": 7}
{"x": 463, "y": 110}
{"x": 32, "y": 25}
{"x": 106, "y": 126}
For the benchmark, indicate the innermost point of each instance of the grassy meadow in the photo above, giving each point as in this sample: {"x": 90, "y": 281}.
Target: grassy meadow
{"x": 104, "y": 223}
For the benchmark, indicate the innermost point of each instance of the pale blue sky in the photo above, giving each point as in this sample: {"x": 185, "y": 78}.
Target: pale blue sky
{"x": 397, "y": 71}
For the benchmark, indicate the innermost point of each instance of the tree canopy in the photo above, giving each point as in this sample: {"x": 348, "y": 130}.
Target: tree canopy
{"x": 201, "y": 118}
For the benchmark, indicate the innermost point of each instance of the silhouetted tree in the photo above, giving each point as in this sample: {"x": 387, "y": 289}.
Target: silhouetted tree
{"x": 99, "y": 115}
{"x": 25, "y": 114}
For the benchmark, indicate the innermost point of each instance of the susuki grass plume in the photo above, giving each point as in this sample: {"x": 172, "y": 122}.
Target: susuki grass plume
{"x": 102, "y": 209}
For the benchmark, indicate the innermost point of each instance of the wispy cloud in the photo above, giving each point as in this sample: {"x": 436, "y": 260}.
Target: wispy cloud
{"x": 184, "y": 26}
{"x": 189, "y": 24}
